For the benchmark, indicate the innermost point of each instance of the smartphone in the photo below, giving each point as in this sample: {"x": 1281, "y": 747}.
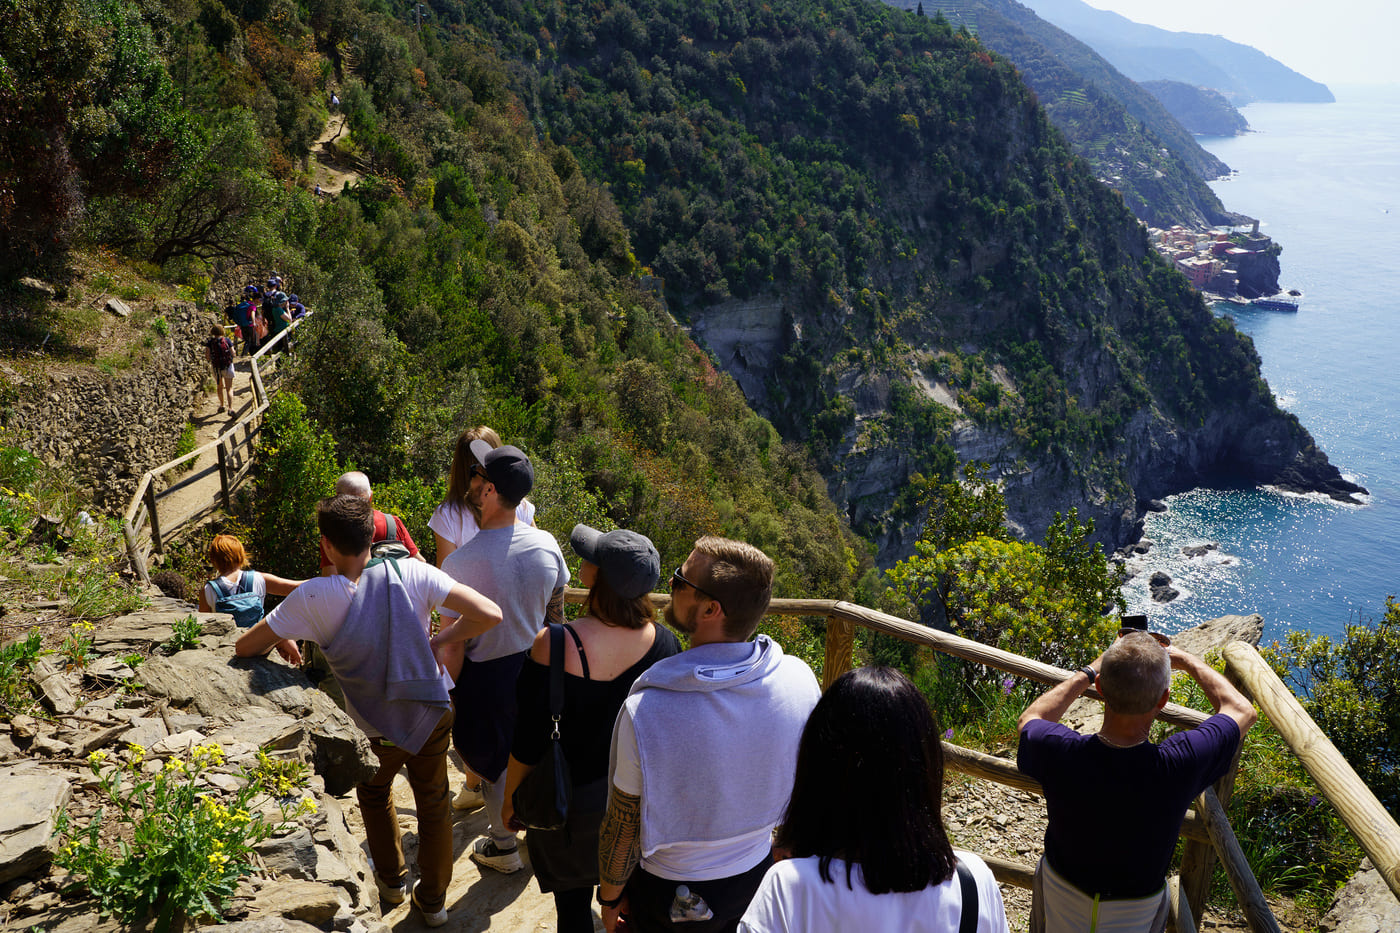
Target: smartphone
{"x": 1138, "y": 622}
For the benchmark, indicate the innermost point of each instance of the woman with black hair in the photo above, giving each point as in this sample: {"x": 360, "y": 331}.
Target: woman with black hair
{"x": 881, "y": 859}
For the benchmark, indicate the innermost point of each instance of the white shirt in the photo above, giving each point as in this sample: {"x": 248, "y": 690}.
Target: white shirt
{"x": 232, "y": 581}
{"x": 458, "y": 525}
{"x": 793, "y": 898}
{"x": 316, "y": 609}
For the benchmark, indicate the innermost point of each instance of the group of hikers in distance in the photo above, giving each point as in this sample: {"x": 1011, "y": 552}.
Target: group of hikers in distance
{"x": 259, "y": 315}
{"x": 713, "y": 785}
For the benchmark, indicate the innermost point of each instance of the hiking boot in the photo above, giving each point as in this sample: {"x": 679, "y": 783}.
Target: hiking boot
{"x": 390, "y": 893}
{"x": 468, "y": 798}
{"x": 486, "y": 852}
{"x": 435, "y": 919}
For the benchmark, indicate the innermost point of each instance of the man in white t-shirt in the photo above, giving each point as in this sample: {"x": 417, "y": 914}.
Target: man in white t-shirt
{"x": 523, "y": 570}
{"x": 703, "y": 754}
{"x": 396, "y": 689}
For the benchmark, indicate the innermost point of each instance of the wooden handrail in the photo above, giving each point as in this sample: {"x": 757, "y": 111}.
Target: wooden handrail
{"x": 146, "y": 496}
{"x": 1365, "y": 816}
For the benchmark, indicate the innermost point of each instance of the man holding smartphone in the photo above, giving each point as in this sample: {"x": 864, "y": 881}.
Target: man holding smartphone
{"x": 1115, "y": 800}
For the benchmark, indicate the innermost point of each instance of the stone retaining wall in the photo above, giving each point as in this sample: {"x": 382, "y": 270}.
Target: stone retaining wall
{"x": 109, "y": 429}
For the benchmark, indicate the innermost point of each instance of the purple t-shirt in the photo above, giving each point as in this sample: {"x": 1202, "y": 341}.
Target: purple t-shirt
{"x": 1115, "y": 813}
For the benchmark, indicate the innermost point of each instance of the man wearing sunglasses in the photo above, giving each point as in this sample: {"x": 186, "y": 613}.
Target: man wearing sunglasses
{"x": 1115, "y": 800}
{"x": 703, "y": 756}
{"x": 523, "y": 569}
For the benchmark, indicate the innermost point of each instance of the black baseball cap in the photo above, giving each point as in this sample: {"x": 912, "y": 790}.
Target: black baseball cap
{"x": 508, "y": 469}
{"x": 627, "y": 559}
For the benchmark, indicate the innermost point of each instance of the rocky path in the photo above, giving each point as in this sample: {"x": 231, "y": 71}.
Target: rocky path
{"x": 331, "y": 167}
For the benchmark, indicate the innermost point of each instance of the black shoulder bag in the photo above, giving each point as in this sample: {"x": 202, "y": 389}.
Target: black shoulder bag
{"x": 542, "y": 799}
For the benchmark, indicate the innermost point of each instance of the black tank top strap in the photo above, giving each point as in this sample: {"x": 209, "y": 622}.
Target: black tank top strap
{"x": 578, "y": 643}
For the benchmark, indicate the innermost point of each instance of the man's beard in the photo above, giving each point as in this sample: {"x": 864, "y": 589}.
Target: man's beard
{"x": 686, "y": 625}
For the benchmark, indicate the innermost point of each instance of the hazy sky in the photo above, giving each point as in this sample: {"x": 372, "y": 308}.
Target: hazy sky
{"x": 1333, "y": 41}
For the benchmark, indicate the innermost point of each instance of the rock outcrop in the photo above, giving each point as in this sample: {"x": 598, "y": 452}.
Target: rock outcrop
{"x": 312, "y": 872}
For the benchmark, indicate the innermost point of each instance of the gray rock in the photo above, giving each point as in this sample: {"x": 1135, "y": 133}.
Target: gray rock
{"x": 33, "y": 801}
{"x": 213, "y": 683}
{"x": 1200, "y": 550}
{"x": 1217, "y": 632}
{"x": 1365, "y": 905}
{"x": 56, "y": 685}
{"x": 118, "y": 307}
{"x": 308, "y": 901}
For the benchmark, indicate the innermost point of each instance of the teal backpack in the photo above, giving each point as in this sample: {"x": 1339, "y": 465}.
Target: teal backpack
{"x": 242, "y": 603}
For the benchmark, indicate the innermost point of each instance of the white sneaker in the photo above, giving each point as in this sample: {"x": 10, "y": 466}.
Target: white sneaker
{"x": 435, "y": 919}
{"x": 486, "y": 852}
{"x": 468, "y": 798}
{"x": 390, "y": 893}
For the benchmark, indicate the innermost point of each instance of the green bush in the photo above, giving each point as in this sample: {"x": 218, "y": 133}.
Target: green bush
{"x": 296, "y": 468}
{"x": 1351, "y": 689}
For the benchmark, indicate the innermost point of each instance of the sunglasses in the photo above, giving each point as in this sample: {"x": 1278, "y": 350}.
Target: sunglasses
{"x": 678, "y": 580}
{"x": 479, "y": 470}
{"x": 1164, "y": 640}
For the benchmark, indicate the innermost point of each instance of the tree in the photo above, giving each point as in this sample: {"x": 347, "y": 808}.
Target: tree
{"x": 1351, "y": 690}
{"x": 1044, "y": 601}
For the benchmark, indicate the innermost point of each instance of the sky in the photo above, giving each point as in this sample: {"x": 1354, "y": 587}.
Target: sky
{"x": 1334, "y": 41}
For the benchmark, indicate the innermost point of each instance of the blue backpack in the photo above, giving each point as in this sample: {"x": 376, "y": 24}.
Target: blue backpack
{"x": 243, "y": 604}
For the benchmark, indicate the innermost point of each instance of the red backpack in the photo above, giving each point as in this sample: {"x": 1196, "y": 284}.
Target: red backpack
{"x": 220, "y": 352}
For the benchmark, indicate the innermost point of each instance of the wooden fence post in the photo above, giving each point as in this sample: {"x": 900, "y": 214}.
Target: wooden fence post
{"x": 152, "y": 517}
{"x": 840, "y": 639}
{"x": 1198, "y": 858}
{"x": 223, "y": 476}
{"x": 133, "y": 552}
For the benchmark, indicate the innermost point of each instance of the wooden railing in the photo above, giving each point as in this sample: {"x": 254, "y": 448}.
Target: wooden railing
{"x": 146, "y": 528}
{"x": 1206, "y": 830}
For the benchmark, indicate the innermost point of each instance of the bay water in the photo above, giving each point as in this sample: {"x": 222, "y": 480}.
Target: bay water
{"x": 1324, "y": 180}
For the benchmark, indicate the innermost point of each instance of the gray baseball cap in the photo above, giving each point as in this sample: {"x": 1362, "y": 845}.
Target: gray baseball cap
{"x": 508, "y": 469}
{"x": 627, "y": 559}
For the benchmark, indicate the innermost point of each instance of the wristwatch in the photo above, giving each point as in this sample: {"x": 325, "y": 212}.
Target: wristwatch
{"x": 1090, "y": 673}
{"x": 605, "y": 902}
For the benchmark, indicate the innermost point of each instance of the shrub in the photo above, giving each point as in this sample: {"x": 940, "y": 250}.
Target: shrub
{"x": 295, "y": 469}
{"x": 178, "y": 850}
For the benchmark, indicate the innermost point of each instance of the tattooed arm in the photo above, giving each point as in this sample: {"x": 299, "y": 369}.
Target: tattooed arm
{"x": 619, "y": 851}
{"x": 554, "y": 612}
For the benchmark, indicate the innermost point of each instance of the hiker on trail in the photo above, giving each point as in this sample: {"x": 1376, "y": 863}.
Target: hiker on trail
{"x": 881, "y": 860}
{"x": 523, "y": 570}
{"x": 236, "y": 590}
{"x": 391, "y": 537}
{"x": 280, "y": 318}
{"x": 454, "y": 521}
{"x": 296, "y": 308}
{"x": 1118, "y": 778}
{"x": 371, "y": 620}
{"x": 242, "y": 314}
{"x": 218, "y": 350}
{"x": 703, "y": 754}
{"x": 608, "y": 648}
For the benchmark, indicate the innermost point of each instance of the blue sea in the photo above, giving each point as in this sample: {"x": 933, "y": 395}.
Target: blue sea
{"x": 1324, "y": 180}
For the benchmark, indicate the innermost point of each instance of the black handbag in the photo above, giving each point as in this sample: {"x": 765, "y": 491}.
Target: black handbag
{"x": 542, "y": 799}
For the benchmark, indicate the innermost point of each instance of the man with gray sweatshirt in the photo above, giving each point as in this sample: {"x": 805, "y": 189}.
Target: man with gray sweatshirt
{"x": 371, "y": 619}
{"x": 703, "y": 755}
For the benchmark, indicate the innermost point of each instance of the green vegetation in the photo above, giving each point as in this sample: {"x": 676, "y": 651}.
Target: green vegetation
{"x": 1047, "y": 601}
{"x": 1351, "y": 689}
{"x": 16, "y": 659}
{"x": 170, "y": 852}
{"x": 184, "y": 634}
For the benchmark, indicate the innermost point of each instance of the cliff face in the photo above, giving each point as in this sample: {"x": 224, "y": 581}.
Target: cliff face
{"x": 871, "y": 223}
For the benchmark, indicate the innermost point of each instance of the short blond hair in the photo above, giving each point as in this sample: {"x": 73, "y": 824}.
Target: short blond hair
{"x": 740, "y": 576}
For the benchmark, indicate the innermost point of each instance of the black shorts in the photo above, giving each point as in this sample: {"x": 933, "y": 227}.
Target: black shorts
{"x": 484, "y": 697}
{"x": 649, "y": 900}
